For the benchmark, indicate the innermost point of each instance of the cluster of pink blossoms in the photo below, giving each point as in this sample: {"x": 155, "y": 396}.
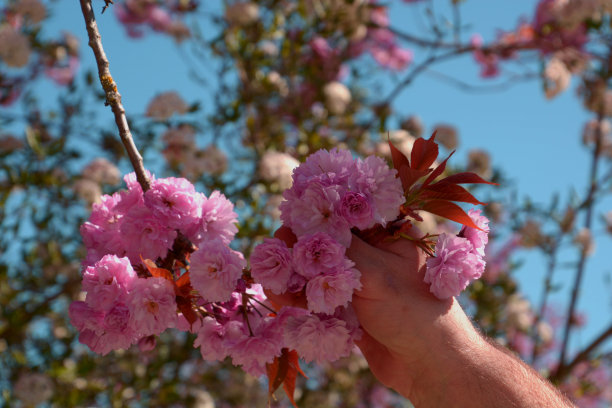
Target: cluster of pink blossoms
{"x": 124, "y": 305}
{"x": 331, "y": 194}
{"x": 459, "y": 258}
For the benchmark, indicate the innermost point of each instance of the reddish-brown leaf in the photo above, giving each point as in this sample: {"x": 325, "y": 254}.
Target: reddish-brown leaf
{"x": 286, "y": 235}
{"x": 438, "y": 170}
{"x": 409, "y": 176}
{"x": 448, "y": 210}
{"x": 277, "y": 371}
{"x": 424, "y": 153}
{"x": 157, "y": 272}
{"x": 466, "y": 178}
{"x": 398, "y": 158}
{"x": 450, "y": 192}
{"x": 184, "y": 305}
{"x": 292, "y": 372}
{"x": 183, "y": 281}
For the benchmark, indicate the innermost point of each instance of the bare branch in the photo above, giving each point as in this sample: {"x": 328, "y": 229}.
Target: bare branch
{"x": 583, "y": 255}
{"x": 113, "y": 98}
{"x": 564, "y": 370}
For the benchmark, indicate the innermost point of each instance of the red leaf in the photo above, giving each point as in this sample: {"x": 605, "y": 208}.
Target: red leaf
{"x": 438, "y": 170}
{"x": 466, "y": 178}
{"x": 157, "y": 272}
{"x": 277, "y": 371}
{"x": 184, "y": 305}
{"x": 398, "y": 158}
{"x": 183, "y": 281}
{"x": 449, "y": 210}
{"x": 450, "y": 192}
{"x": 424, "y": 153}
{"x": 284, "y": 370}
{"x": 292, "y": 372}
{"x": 286, "y": 235}
{"x": 410, "y": 176}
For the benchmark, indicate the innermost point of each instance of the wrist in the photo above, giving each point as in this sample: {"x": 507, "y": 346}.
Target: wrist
{"x": 451, "y": 346}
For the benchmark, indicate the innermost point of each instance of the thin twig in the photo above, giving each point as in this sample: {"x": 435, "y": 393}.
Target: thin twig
{"x": 583, "y": 255}
{"x": 552, "y": 265}
{"x": 113, "y": 98}
{"x": 564, "y": 370}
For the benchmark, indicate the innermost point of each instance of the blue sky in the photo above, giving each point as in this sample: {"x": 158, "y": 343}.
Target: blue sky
{"x": 537, "y": 142}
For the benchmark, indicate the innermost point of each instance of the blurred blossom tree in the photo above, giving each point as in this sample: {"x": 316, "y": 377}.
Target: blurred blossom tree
{"x": 292, "y": 77}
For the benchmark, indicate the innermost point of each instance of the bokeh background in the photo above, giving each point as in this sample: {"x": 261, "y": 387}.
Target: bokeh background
{"x": 249, "y": 78}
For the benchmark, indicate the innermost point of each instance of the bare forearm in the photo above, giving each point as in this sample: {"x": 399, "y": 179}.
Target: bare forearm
{"x": 474, "y": 372}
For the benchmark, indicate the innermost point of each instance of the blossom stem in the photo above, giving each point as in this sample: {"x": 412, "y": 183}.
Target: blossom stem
{"x": 113, "y": 98}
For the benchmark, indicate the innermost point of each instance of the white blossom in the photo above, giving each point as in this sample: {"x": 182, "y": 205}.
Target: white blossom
{"x": 337, "y": 97}
{"x": 277, "y": 167}
{"x": 166, "y": 104}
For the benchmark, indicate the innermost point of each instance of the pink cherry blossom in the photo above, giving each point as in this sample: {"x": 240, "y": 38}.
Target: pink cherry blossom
{"x": 108, "y": 281}
{"x": 380, "y": 183}
{"x": 271, "y": 265}
{"x": 454, "y": 266}
{"x": 218, "y": 219}
{"x": 145, "y": 235}
{"x": 355, "y": 207}
{"x": 316, "y": 211}
{"x": 152, "y": 306}
{"x": 318, "y": 338}
{"x": 325, "y": 293}
{"x": 210, "y": 340}
{"x": 317, "y": 253}
{"x": 175, "y": 201}
{"x": 478, "y": 238}
{"x": 215, "y": 270}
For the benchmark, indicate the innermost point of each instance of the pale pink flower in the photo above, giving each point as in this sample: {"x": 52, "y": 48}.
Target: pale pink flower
{"x": 271, "y": 265}
{"x": 215, "y": 270}
{"x": 14, "y": 47}
{"x": 454, "y": 266}
{"x": 276, "y": 167}
{"x": 88, "y": 190}
{"x": 152, "y": 306}
{"x": 102, "y": 171}
{"x": 556, "y": 77}
{"x": 166, "y": 104}
{"x": 337, "y": 97}
{"x": 242, "y": 13}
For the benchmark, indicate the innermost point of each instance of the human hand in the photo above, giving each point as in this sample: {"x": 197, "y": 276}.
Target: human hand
{"x": 405, "y": 326}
